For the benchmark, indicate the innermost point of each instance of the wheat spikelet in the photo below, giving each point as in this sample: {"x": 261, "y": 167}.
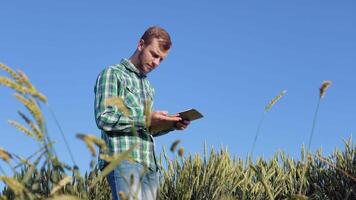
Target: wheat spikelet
{"x": 275, "y": 100}
{"x": 24, "y": 117}
{"x": 174, "y": 145}
{"x": 32, "y": 90}
{"x": 13, "y": 85}
{"x": 119, "y": 103}
{"x": 37, "y": 131}
{"x": 267, "y": 108}
{"x": 5, "y": 155}
{"x": 23, "y": 79}
{"x": 40, "y": 96}
{"x": 148, "y": 113}
{"x": 89, "y": 143}
{"x": 13, "y": 184}
{"x": 21, "y": 127}
{"x": 93, "y": 139}
{"x": 32, "y": 106}
{"x": 90, "y": 140}
{"x": 99, "y": 142}
{"x": 181, "y": 152}
{"x": 324, "y": 86}
{"x": 122, "y": 195}
{"x": 106, "y": 157}
{"x": 22, "y": 84}
{"x": 11, "y": 72}
{"x": 33, "y": 126}
{"x": 61, "y": 184}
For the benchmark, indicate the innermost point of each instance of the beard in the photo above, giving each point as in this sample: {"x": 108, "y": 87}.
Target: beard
{"x": 141, "y": 65}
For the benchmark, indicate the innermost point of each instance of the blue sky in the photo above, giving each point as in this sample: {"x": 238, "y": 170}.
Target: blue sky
{"x": 228, "y": 60}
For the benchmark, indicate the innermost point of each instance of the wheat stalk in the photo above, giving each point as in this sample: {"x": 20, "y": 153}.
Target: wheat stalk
{"x": 267, "y": 109}
{"x": 324, "y": 86}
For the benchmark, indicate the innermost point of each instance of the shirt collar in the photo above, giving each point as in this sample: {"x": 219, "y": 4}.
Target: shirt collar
{"x": 128, "y": 64}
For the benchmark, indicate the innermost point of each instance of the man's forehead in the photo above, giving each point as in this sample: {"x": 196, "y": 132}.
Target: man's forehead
{"x": 155, "y": 46}
{"x": 161, "y": 53}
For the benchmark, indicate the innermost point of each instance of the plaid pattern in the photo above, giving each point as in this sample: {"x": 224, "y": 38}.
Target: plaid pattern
{"x": 125, "y": 81}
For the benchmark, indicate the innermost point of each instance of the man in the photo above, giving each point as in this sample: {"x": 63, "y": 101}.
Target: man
{"x": 122, "y": 130}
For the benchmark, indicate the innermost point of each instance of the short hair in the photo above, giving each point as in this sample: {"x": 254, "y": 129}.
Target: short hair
{"x": 157, "y": 32}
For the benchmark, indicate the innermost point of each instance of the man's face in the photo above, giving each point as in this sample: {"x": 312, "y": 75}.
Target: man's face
{"x": 150, "y": 56}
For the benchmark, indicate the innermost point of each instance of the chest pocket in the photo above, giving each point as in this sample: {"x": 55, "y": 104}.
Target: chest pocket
{"x": 132, "y": 96}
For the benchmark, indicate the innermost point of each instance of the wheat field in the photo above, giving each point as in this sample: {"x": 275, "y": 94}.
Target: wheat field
{"x": 214, "y": 175}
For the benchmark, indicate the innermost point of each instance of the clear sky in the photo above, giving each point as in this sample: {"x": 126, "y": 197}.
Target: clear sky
{"x": 228, "y": 60}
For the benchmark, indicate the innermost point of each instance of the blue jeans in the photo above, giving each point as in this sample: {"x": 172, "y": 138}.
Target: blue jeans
{"x": 134, "y": 180}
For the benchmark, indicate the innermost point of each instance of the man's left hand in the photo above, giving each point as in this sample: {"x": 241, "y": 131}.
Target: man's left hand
{"x": 181, "y": 125}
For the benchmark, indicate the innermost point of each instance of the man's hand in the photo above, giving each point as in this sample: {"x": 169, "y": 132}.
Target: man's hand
{"x": 182, "y": 124}
{"x": 159, "y": 117}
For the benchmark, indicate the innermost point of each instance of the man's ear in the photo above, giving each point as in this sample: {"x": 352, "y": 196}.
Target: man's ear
{"x": 141, "y": 45}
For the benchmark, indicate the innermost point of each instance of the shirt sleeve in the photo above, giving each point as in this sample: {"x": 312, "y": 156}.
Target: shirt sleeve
{"x": 108, "y": 117}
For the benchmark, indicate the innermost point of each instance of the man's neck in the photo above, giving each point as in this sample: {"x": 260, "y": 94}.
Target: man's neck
{"x": 135, "y": 61}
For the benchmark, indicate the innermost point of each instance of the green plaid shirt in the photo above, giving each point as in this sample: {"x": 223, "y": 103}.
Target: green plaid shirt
{"x": 124, "y": 80}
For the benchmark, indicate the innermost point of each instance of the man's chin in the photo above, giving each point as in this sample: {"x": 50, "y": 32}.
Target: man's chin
{"x": 147, "y": 70}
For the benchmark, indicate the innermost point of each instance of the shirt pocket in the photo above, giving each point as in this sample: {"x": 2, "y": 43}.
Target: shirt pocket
{"x": 132, "y": 97}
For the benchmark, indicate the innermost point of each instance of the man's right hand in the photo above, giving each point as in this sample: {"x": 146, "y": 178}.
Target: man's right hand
{"x": 160, "y": 117}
